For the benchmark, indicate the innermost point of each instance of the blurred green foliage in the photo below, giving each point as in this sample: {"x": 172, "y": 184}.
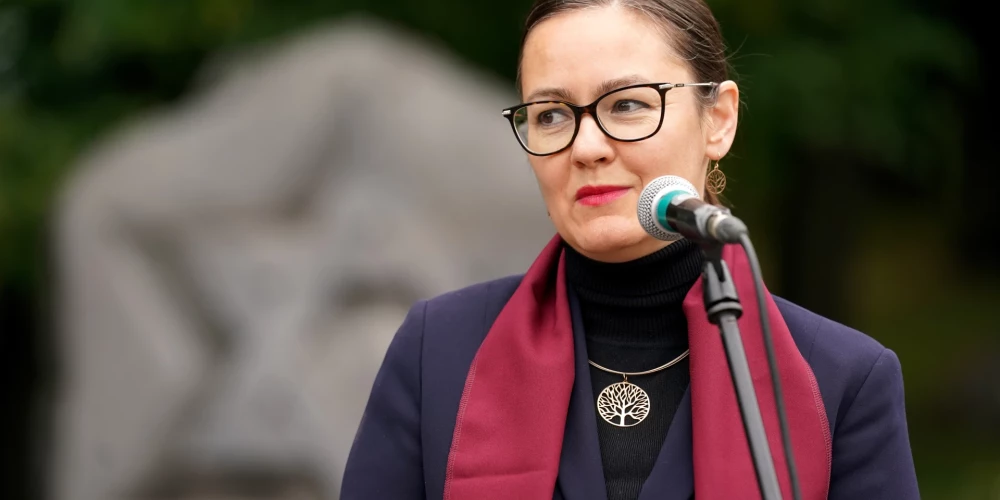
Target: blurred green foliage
{"x": 816, "y": 74}
{"x": 837, "y": 92}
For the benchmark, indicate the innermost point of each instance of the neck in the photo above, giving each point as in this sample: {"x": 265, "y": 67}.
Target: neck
{"x": 647, "y": 246}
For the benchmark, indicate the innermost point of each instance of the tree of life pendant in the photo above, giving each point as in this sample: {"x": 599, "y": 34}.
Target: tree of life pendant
{"x": 623, "y": 404}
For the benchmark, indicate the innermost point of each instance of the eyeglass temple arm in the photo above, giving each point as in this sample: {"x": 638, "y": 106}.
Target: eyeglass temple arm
{"x": 674, "y": 85}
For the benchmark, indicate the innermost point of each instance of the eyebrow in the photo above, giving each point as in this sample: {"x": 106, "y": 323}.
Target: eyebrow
{"x": 605, "y": 87}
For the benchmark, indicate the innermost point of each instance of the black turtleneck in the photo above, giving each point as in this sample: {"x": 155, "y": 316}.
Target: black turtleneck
{"x": 634, "y": 321}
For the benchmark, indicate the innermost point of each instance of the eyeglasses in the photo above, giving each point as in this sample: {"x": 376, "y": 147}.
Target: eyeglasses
{"x": 628, "y": 114}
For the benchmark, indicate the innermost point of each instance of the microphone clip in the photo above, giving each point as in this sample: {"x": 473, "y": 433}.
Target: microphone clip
{"x": 719, "y": 288}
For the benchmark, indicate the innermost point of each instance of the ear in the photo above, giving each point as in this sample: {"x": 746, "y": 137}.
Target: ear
{"x": 722, "y": 119}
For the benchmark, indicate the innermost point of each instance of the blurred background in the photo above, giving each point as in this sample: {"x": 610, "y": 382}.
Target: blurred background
{"x": 215, "y": 213}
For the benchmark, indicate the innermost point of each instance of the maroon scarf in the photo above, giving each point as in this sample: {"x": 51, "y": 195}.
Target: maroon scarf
{"x": 509, "y": 431}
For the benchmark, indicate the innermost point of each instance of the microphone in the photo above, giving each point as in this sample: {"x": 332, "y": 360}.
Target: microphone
{"x": 670, "y": 209}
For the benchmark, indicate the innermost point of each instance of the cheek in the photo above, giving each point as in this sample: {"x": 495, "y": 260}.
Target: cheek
{"x": 552, "y": 177}
{"x": 677, "y": 149}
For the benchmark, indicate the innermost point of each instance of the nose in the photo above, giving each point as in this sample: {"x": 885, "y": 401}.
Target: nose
{"x": 592, "y": 147}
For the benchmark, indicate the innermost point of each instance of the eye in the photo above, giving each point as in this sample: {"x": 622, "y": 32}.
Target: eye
{"x": 628, "y": 106}
{"x": 554, "y": 116}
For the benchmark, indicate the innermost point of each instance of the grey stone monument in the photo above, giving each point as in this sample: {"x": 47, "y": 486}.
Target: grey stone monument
{"x": 232, "y": 269}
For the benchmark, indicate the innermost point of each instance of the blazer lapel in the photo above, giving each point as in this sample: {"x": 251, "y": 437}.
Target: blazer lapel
{"x": 672, "y": 477}
{"x": 581, "y": 474}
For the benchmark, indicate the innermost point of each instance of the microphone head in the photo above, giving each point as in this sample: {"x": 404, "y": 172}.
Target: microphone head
{"x": 650, "y": 201}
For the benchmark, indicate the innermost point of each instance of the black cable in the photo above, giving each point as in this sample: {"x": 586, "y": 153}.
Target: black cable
{"x": 772, "y": 362}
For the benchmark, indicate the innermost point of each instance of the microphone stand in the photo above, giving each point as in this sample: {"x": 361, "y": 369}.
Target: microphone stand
{"x": 722, "y": 304}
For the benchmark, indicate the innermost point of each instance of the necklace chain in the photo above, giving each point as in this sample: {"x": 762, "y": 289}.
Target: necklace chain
{"x": 625, "y": 404}
{"x": 670, "y": 363}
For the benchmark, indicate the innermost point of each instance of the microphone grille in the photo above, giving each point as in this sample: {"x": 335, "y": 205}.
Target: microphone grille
{"x": 649, "y": 198}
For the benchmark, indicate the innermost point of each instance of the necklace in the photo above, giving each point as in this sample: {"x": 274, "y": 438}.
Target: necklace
{"x": 624, "y": 404}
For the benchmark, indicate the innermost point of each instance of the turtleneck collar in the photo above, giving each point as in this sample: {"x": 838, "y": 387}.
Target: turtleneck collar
{"x": 676, "y": 266}
{"x": 638, "y": 304}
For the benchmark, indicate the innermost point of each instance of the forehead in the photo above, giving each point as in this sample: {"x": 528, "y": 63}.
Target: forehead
{"x": 578, "y": 50}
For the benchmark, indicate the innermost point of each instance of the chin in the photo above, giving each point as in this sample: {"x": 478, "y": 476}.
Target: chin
{"x": 609, "y": 238}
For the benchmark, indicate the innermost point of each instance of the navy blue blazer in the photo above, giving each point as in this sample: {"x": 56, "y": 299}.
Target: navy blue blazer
{"x": 401, "y": 448}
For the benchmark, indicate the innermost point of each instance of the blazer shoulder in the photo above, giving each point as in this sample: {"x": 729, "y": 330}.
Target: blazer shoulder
{"x": 841, "y": 357}
{"x": 475, "y": 295}
{"x": 468, "y": 310}
{"x": 470, "y": 302}
{"x": 811, "y": 330}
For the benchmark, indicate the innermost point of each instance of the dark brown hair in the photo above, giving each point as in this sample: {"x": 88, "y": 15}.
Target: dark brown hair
{"x": 689, "y": 25}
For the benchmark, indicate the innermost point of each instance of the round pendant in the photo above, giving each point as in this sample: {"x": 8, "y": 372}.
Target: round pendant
{"x": 623, "y": 404}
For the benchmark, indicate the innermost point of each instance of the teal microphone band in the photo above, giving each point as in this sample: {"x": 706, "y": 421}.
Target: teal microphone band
{"x": 661, "y": 208}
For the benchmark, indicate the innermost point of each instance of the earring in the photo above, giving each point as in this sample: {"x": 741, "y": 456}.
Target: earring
{"x": 715, "y": 182}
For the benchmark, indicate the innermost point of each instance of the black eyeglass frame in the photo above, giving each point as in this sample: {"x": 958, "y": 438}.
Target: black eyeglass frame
{"x": 591, "y": 108}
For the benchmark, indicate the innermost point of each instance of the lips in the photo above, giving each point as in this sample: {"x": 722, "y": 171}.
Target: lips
{"x": 600, "y": 195}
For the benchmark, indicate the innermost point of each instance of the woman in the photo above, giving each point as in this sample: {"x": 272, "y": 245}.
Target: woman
{"x": 596, "y": 374}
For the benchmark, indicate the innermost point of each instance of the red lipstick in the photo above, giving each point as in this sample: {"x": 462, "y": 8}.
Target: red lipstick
{"x": 600, "y": 195}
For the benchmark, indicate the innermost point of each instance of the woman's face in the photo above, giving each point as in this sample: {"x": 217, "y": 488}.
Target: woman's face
{"x": 578, "y": 56}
